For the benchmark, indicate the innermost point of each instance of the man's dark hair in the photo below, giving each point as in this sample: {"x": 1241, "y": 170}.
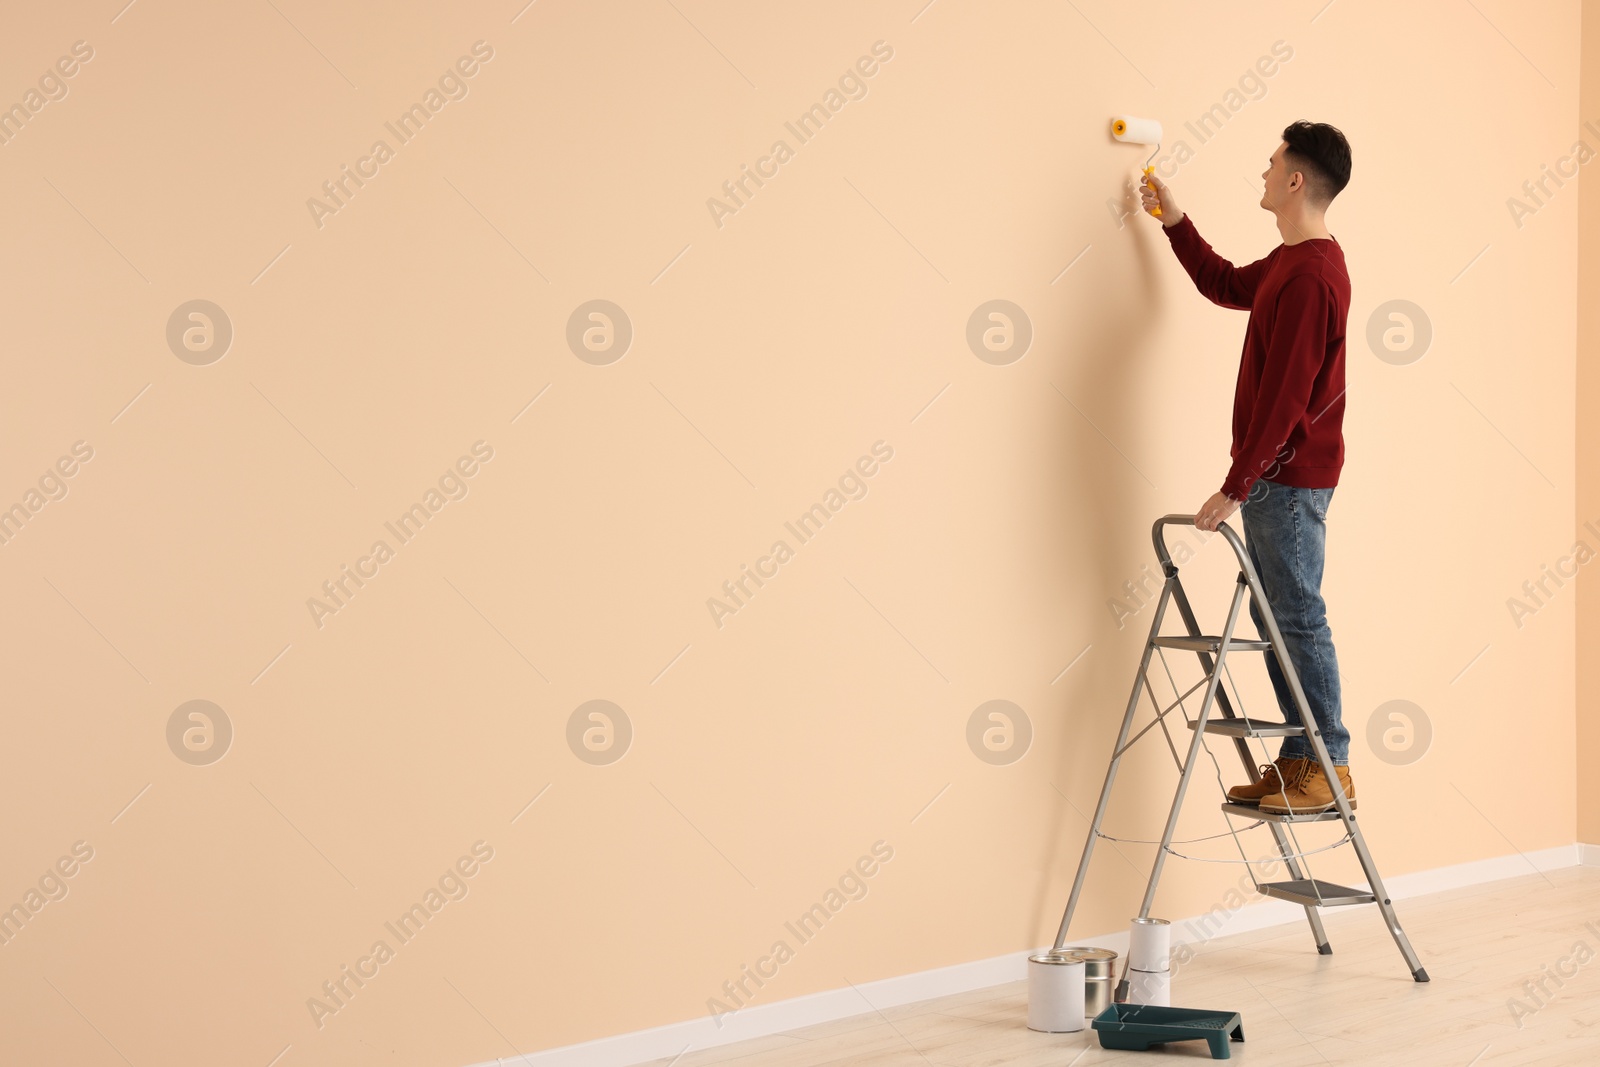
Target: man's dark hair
{"x": 1321, "y": 153}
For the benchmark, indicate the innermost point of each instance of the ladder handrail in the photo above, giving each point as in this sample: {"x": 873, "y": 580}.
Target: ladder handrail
{"x": 1158, "y": 535}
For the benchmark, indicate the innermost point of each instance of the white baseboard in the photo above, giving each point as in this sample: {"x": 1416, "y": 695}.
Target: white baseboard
{"x": 667, "y": 1042}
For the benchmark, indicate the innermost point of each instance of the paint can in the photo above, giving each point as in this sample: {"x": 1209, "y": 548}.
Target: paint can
{"x": 1099, "y": 977}
{"x": 1150, "y": 987}
{"x": 1055, "y": 993}
{"x": 1149, "y": 944}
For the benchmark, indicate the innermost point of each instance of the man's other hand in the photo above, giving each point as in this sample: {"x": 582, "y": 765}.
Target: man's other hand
{"x": 1214, "y": 511}
{"x": 1160, "y": 196}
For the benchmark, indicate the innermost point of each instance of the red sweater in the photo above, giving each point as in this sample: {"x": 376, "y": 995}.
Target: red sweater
{"x": 1288, "y": 405}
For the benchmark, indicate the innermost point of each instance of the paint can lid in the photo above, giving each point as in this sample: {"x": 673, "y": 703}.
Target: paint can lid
{"x": 1055, "y": 958}
{"x": 1088, "y": 953}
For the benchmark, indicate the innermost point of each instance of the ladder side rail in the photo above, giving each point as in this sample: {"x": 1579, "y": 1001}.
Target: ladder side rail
{"x": 1158, "y": 535}
{"x": 1369, "y": 867}
{"x": 1291, "y": 863}
{"x": 1212, "y": 686}
{"x": 1140, "y": 681}
{"x": 1195, "y": 745}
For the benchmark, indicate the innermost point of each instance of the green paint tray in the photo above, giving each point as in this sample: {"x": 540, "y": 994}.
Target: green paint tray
{"x": 1136, "y": 1027}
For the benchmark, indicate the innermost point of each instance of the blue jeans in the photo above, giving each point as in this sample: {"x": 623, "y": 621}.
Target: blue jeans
{"x": 1285, "y": 529}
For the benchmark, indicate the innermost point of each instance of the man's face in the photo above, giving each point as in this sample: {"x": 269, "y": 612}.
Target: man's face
{"x": 1276, "y": 178}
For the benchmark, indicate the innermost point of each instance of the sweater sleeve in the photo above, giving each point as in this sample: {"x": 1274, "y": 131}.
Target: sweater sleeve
{"x": 1218, "y": 280}
{"x": 1295, "y": 352}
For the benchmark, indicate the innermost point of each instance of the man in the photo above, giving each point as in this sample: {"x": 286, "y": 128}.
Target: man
{"x": 1288, "y": 448}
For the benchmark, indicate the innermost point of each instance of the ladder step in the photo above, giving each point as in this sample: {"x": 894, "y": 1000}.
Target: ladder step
{"x": 1242, "y": 727}
{"x": 1248, "y": 811}
{"x": 1210, "y": 644}
{"x": 1316, "y": 893}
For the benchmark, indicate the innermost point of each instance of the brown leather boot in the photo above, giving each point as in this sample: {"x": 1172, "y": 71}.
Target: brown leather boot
{"x": 1273, "y": 777}
{"x": 1308, "y": 791}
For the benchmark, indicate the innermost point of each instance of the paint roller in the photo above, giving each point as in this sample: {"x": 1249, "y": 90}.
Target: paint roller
{"x": 1139, "y": 131}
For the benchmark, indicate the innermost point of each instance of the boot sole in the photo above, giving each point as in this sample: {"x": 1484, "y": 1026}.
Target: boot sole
{"x": 1303, "y": 811}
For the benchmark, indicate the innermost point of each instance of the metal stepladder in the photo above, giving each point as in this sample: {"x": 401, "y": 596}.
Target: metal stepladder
{"x": 1300, "y": 889}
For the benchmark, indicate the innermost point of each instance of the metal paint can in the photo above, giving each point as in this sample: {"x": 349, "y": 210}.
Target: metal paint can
{"x": 1099, "y": 977}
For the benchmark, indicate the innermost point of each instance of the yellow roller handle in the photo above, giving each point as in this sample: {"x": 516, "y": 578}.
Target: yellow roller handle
{"x": 1157, "y": 210}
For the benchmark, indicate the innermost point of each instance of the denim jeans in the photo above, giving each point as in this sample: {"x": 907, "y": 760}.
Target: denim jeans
{"x": 1285, "y": 529}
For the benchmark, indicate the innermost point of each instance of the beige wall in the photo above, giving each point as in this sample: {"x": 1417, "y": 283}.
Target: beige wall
{"x": 768, "y": 755}
{"x": 1588, "y": 444}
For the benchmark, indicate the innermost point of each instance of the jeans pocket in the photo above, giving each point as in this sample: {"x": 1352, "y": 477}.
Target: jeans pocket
{"x": 1320, "y": 499}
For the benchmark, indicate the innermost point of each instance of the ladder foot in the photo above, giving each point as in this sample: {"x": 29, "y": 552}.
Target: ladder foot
{"x": 1420, "y": 974}
{"x": 1326, "y": 949}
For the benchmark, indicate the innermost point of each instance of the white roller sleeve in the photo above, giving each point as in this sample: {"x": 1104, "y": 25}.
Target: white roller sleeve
{"x": 1136, "y": 130}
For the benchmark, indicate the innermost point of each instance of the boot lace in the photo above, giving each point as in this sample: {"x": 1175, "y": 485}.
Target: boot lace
{"x": 1275, "y": 769}
{"x": 1307, "y": 770}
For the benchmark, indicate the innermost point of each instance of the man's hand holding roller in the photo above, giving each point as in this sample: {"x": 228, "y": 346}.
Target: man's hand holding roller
{"x": 1160, "y": 196}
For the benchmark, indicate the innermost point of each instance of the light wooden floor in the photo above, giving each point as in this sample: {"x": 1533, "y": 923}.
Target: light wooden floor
{"x": 1358, "y": 1006}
